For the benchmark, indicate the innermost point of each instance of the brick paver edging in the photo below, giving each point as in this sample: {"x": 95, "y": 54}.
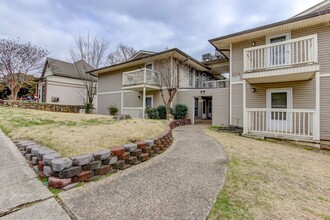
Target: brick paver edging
{"x": 67, "y": 172}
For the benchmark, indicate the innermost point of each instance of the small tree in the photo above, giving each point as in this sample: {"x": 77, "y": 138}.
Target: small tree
{"x": 17, "y": 60}
{"x": 121, "y": 54}
{"x": 172, "y": 72}
{"x": 93, "y": 51}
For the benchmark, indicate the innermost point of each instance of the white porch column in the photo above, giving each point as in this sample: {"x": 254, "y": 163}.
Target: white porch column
{"x": 316, "y": 134}
{"x": 230, "y": 85}
{"x": 245, "y": 124}
{"x": 122, "y": 102}
{"x": 144, "y": 102}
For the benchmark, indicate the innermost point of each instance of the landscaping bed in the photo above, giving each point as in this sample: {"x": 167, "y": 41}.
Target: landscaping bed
{"x": 75, "y": 134}
{"x": 269, "y": 180}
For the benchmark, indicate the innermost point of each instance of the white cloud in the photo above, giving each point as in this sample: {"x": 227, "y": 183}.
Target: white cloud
{"x": 143, "y": 24}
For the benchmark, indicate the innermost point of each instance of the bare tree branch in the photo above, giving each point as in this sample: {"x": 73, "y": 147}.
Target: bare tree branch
{"x": 89, "y": 53}
{"x": 121, "y": 54}
{"x": 172, "y": 73}
{"x": 17, "y": 60}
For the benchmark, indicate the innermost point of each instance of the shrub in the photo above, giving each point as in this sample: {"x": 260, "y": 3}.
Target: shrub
{"x": 162, "y": 111}
{"x": 127, "y": 117}
{"x": 180, "y": 111}
{"x": 152, "y": 113}
{"x": 88, "y": 108}
{"x": 113, "y": 110}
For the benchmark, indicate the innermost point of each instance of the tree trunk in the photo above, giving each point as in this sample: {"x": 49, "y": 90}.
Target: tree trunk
{"x": 168, "y": 110}
{"x": 14, "y": 92}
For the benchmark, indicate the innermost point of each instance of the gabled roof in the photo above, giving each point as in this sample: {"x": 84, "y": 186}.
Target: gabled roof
{"x": 294, "y": 23}
{"x": 75, "y": 70}
{"x": 141, "y": 53}
{"x": 324, "y": 5}
{"x": 175, "y": 52}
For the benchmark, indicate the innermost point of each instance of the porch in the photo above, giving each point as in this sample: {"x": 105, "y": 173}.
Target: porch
{"x": 296, "y": 124}
{"x": 141, "y": 80}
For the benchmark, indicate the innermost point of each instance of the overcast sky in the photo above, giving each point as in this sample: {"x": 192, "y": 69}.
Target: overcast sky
{"x": 142, "y": 24}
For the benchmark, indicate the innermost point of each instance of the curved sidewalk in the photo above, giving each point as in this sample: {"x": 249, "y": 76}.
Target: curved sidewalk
{"x": 181, "y": 183}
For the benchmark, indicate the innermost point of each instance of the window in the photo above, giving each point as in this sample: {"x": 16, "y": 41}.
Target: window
{"x": 279, "y": 100}
{"x": 149, "y": 66}
{"x": 196, "y": 79}
{"x": 196, "y": 107}
{"x": 149, "y": 101}
{"x": 191, "y": 77}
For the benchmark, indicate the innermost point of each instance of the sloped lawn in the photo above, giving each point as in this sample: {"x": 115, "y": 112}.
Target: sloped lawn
{"x": 269, "y": 180}
{"x": 74, "y": 134}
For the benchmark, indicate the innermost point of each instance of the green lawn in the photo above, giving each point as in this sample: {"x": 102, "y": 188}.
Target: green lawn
{"x": 73, "y": 134}
{"x": 268, "y": 180}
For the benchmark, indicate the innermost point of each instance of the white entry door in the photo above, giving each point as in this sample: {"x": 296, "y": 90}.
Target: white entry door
{"x": 204, "y": 109}
{"x": 278, "y": 101}
{"x": 279, "y": 54}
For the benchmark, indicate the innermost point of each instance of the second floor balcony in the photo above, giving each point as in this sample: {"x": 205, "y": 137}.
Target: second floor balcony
{"x": 286, "y": 58}
{"x": 141, "y": 77}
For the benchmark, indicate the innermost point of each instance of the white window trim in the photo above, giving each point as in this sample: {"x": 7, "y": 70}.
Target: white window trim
{"x": 287, "y": 35}
{"x": 152, "y": 63}
{"x": 152, "y": 99}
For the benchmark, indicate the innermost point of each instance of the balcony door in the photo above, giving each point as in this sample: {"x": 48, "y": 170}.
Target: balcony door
{"x": 150, "y": 74}
{"x": 279, "y": 54}
{"x": 278, "y": 102}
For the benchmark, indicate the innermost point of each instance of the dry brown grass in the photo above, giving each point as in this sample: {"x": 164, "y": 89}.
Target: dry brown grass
{"x": 272, "y": 181}
{"x": 74, "y": 134}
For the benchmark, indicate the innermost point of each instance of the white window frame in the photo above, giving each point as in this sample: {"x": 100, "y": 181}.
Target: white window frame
{"x": 287, "y": 47}
{"x": 287, "y": 35}
{"x": 152, "y": 63}
{"x": 152, "y": 100}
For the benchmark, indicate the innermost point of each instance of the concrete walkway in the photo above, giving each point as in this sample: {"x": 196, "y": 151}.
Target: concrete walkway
{"x": 182, "y": 183}
{"x": 19, "y": 187}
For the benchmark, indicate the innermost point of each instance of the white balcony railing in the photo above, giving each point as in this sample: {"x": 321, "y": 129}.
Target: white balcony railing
{"x": 141, "y": 76}
{"x": 281, "y": 122}
{"x": 291, "y": 52}
{"x": 216, "y": 84}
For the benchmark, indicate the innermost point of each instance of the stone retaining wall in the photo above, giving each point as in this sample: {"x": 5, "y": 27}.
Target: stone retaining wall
{"x": 41, "y": 106}
{"x": 65, "y": 172}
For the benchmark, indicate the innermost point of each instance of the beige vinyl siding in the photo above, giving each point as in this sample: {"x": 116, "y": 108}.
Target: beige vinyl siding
{"x": 237, "y": 57}
{"x": 157, "y": 98}
{"x": 131, "y": 99}
{"x": 220, "y": 101}
{"x": 113, "y": 82}
{"x": 105, "y": 100}
{"x": 323, "y": 36}
{"x": 303, "y": 94}
{"x": 237, "y": 104}
{"x": 325, "y": 108}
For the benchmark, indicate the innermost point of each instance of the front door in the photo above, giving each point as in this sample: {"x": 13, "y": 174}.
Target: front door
{"x": 204, "y": 109}
{"x": 278, "y": 101}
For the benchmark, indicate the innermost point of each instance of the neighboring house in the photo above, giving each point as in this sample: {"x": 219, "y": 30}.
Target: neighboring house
{"x": 280, "y": 76}
{"x": 134, "y": 85}
{"x": 63, "y": 83}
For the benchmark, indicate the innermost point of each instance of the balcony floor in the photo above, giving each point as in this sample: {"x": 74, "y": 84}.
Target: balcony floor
{"x": 274, "y": 75}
